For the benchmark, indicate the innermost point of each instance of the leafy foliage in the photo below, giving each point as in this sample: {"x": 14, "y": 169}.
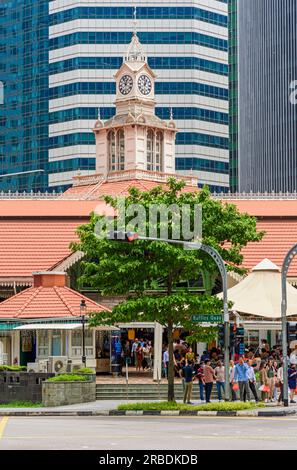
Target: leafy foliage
{"x": 174, "y": 406}
{"x": 13, "y": 368}
{"x": 68, "y": 378}
{"x": 135, "y": 269}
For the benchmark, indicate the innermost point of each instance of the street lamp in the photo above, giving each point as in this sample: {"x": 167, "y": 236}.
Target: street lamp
{"x": 132, "y": 236}
{"x": 83, "y": 321}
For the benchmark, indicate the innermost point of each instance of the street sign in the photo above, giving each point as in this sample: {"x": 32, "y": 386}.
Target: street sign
{"x": 211, "y": 318}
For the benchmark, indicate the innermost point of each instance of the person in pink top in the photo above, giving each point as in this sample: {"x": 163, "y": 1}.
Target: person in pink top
{"x": 220, "y": 378}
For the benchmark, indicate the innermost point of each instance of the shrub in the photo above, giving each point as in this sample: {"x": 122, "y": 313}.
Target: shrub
{"x": 20, "y": 404}
{"x": 13, "y": 368}
{"x": 68, "y": 378}
{"x": 85, "y": 370}
{"x": 173, "y": 406}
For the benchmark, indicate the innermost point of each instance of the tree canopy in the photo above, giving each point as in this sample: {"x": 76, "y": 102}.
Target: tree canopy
{"x": 136, "y": 269}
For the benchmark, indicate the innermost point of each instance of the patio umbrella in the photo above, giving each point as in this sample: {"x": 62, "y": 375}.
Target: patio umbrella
{"x": 259, "y": 293}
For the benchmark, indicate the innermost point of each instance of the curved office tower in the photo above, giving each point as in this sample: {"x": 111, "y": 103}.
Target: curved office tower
{"x": 264, "y": 150}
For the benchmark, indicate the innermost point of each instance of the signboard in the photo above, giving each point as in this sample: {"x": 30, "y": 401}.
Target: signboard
{"x": 211, "y": 318}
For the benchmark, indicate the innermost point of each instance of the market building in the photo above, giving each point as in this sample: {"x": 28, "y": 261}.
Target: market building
{"x": 134, "y": 148}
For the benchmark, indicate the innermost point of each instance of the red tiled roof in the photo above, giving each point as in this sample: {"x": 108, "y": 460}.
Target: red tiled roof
{"x": 281, "y": 235}
{"x": 267, "y": 207}
{"x": 47, "y": 208}
{"x": 115, "y": 188}
{"x": 34, "y": 244}
{"x": 47, "y": 302}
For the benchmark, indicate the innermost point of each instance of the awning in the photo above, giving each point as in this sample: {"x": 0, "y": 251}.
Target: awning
{"x": 49, "y": 326}
{"x": 62, "y": 326}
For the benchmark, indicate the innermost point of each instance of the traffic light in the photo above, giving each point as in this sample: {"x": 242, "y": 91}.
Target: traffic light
{"x": 291, "y": 332}
{"x": 233, "y": 328}
{"x": 239, "y": 342}
{"x": 126, "y": 237}
{"x": 221, "y": 336}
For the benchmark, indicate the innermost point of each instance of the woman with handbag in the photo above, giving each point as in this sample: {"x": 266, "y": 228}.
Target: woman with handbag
{"x": 271, "y": 379}
{"x": 280, "y": 384}
{"x": 264, "y": 382}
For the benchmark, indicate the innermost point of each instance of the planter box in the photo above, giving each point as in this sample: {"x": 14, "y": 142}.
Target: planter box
{"x": 67, "y": 393}
{"x": 21, "y": 386}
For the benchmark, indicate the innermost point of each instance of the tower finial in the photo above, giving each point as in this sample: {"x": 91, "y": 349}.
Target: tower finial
{"x": 99, "y": 114}
{"x": 135, "y": 21}
{"x": 171, "y": 114}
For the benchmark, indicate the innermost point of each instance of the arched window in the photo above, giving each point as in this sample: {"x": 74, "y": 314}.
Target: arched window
{"x": 116, "y": 150}
{"x": 111, "y": 151}
{"x": 159, "y": 152}
{"x": 154, "y": 148}
{"x": 150, "y": 149}
{"x": 121, "y": 150}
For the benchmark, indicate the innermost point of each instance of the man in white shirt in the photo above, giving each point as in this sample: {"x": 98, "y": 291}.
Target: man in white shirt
{"x": 166, "y": 361}
{"x": 293, "y": 356}
{"x": 252, "y": 380}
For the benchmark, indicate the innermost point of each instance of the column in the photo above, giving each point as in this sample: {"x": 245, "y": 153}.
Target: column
{"x": 158, "y": 337}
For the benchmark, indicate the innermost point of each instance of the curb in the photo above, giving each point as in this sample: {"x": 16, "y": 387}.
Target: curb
{"x": 239, "y": 414}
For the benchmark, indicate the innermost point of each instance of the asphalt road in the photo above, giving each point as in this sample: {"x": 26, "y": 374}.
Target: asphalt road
{"x": 149, "y": 433}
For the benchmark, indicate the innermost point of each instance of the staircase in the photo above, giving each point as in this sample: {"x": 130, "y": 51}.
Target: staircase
{"x": 142, "y": 392}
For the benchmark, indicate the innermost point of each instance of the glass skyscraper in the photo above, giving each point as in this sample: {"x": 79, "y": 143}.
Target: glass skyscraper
{"x": 58, "y": 60}
{"x": 263, "y": 105}
{"x": 24, "y": 72}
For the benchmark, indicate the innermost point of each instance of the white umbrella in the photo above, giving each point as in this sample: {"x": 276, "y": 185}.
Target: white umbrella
{"x": 259, "y": 294}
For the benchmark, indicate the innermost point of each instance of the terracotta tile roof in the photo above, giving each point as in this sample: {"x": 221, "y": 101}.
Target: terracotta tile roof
{"x": 47, "y": 208}
{"x": 47, "y": 302}
{"x": 281, "y": 235}
{"x": 267, "y": 207}
{"x": 34, "y": 244}
{"x": 117, "y": 188}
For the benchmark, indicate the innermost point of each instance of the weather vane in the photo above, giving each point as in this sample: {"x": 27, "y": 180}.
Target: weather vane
{"x": 135, "y": 20}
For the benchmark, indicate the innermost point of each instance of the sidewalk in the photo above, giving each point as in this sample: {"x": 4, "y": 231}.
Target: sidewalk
{"x": 109, "y": 408}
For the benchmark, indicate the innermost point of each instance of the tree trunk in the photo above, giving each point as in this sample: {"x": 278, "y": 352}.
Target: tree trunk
{"x": 207, "y": 281}
{"x": 171, "y": 364}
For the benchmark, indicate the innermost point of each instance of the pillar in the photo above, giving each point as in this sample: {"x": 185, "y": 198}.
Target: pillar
{"x": 158, "y": 337}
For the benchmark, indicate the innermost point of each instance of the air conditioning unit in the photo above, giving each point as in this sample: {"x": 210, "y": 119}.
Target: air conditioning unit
{"x": 32, "y": 367}
{"x": 57, "y": 364}
{"x": 43, "y": 365}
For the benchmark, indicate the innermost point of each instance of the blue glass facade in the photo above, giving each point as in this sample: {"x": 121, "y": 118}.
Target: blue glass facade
{"x": 57, "y": 65}
{"x": 24, "y": 69}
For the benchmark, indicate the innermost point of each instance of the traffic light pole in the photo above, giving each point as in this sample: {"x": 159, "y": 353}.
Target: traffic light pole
{"x": 285, "y": 268}
{"x": 221, "y": 265}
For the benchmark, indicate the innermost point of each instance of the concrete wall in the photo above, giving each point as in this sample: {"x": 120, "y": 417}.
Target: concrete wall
{"x": 67, "y": 393}
{"x": 21, "y": 386}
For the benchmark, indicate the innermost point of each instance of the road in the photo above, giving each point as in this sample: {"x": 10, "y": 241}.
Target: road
{"x": 150, "y": 433}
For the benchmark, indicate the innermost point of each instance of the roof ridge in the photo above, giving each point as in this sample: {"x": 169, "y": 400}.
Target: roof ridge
{"x": 94, "y": 189}
{"x": 81, "y": 296}
{"x": 36, "y": 291}
{"x": 60, "y": 295}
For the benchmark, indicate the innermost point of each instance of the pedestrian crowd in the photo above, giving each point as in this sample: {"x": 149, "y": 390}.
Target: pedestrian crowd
{"x": 257, "y": 376}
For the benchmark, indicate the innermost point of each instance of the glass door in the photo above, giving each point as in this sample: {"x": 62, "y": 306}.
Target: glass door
{"x": 56, "y": 343}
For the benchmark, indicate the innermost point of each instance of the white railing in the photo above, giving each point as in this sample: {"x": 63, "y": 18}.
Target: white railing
{"x": 76, "y": 351}
{"x": 255, "y": 196}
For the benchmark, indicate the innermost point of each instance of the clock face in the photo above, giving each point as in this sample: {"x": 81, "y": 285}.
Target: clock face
{"x": 144, "y": 84}
{"x": 126, "y": 84}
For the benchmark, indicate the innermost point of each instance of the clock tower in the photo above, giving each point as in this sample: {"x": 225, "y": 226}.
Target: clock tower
{"x": 135, "y": 82}
{"x": 135, "y": 138}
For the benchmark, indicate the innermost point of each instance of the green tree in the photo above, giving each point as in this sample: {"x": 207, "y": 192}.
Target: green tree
{"x": 136, "y": 269}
